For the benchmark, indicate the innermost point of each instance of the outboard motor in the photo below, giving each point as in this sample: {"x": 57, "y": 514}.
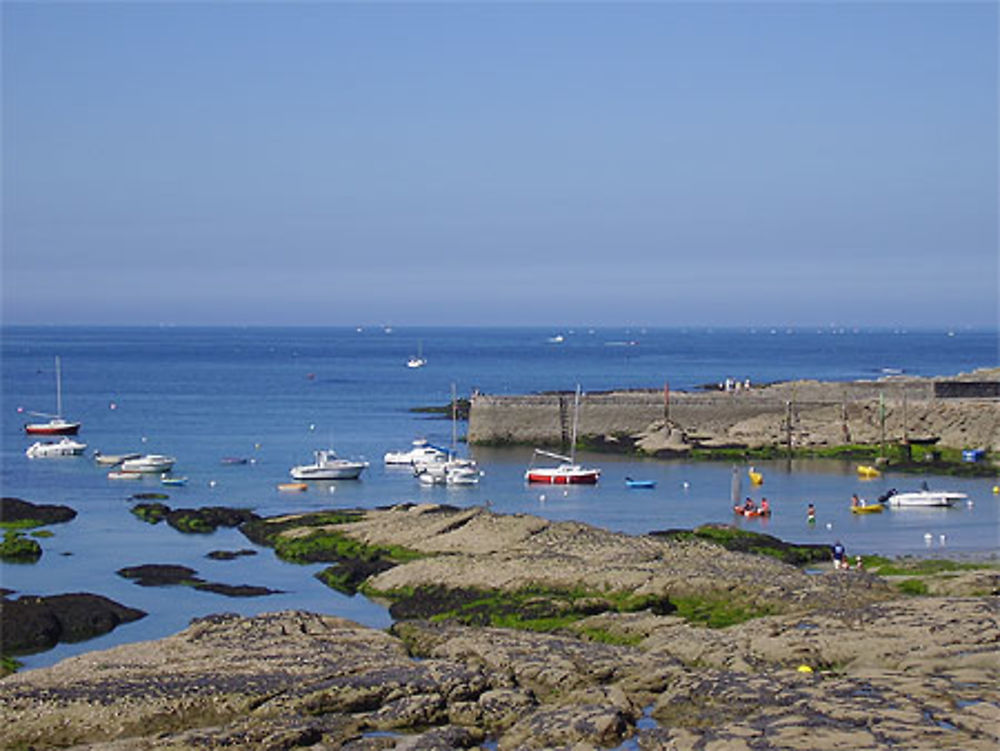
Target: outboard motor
{"x": 887, "y": 495}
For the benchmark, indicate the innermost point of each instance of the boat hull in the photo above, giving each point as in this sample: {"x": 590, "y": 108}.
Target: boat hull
{"x": 557, "y": 477}
{"x": 65, "y": 447}
{"x": 55, "y": 427}
{"x": 149, "y": 464}
{"x": 309, "y": 472}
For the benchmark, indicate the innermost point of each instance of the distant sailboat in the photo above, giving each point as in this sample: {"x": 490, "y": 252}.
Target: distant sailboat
{"x": 417, "y": 361}
{"x": 56, "y": 424}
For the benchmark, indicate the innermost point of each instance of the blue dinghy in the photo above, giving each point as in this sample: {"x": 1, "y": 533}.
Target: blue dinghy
{"x": 648, "y": 484}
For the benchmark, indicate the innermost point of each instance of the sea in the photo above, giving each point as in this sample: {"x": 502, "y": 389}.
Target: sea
{"x": 270, "y": 397}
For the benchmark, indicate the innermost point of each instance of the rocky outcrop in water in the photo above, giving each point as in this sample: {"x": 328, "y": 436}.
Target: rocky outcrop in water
{"x": 31, "y": 623}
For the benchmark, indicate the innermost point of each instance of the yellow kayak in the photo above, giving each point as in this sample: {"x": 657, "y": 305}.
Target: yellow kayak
{"x": 865, "y": 470}
{"x": 874, "y": 508}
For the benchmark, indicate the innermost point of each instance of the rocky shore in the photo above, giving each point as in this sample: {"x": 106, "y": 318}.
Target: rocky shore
{"x": 613, "y": 644}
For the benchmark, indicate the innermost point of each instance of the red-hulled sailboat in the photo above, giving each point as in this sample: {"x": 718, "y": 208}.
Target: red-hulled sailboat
{"x": 56, "y": 425}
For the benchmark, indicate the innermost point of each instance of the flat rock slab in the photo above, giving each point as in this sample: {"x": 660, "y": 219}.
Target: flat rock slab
{"x": 17, "y": 510}
{"x": 915, "y": 674}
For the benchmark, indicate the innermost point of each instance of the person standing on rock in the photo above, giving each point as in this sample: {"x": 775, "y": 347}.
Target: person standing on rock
{"x": 838, "y": 555}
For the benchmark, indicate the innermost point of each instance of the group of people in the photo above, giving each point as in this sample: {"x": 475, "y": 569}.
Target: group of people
{"x": 749, "y": 508}
{"x": 841, "y": 561}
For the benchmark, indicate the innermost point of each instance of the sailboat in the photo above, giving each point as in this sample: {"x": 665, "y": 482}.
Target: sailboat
{"x": 56, "y": 424}
{"x": 568, "y": 472}
{"x": 417, "y": 360}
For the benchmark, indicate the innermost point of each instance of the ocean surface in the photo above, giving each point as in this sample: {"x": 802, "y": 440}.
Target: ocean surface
{"x": 274, "y": 395}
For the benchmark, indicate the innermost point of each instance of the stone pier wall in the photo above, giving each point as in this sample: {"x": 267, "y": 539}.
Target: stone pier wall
{"x": 805, "y": 412}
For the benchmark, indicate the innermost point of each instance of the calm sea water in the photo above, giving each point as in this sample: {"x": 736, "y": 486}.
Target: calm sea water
{"x": 272, "y": 396}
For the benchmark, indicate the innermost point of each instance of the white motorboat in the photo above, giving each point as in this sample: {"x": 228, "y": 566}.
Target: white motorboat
{"x": 328, "y": 466}
{"x": 49, "y": 449}
{"x": 150, "y": 463}
{"x": 926, "y": 498}
{"x": 421, "y": 453}
{"x": 451, "y": 472}
{"x": 56, "y": 425}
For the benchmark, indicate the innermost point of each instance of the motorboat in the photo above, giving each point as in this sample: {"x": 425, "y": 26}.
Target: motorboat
{"x": 568, "y": 472}
{"x": 451, "y": 472}
{"x": 49, "y": 449}
{"x": 328, "y": 466}
{"x": 173, "y": 481}
{"x": 927, "y": 498}
{"x": 421, "y": 453}
{"x": 112, "y": 460}
{"x": 56, "y": 424}
{"x": 115, "y": 475}
{"x": 149, "y": 464}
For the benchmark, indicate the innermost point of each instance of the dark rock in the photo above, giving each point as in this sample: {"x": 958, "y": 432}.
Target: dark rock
{"x": 17, "y": 510}
{"x": 203, "y": 520}
{"x": 229, "y": 555}
{"x": 159, "y": 574}
{"x": 165, "y": 575}
{"x": 31, "y": 624}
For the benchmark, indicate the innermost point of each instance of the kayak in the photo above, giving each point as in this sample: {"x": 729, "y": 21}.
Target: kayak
{"x": 874, "y": 508}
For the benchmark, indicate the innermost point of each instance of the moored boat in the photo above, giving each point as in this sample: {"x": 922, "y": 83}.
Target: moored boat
{"x": 328, "y": 466}
{"x": 640, "y": 484}
{"x": 56, "y": 424}
{"x": 173, "y": 481}
{"x": 149, "y": 464}
{"x": 568, "y": 472}
{"x": 292, "y": 487}
{"x": 421, "y": 453}
{"x": 50, "y": 449}
{"x": 867, "y": 471}
{"x": 111, "y": 460}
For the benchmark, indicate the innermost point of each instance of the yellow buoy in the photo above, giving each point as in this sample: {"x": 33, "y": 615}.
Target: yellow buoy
{"x": 996, "y": 489}
{"x": 804, "y": 669}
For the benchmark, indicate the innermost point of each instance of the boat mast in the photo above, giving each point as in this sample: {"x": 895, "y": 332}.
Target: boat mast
{"x": 58, "y": 387}
{"x": 454, "y": 423}
{"x": 576, "y": 418}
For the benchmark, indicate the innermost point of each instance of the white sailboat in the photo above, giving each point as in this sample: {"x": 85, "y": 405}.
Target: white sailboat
{"x": 417, "y": 361}
{"x": 56, "y": 425}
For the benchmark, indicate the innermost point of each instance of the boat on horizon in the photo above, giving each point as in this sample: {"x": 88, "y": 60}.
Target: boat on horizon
{"x": 328, "y": 466}
{"x": 417, "y": 360}
{"x": 57, "y": 424}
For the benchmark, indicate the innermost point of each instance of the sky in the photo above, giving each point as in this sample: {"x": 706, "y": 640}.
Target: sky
{"x": 500, "y": 163}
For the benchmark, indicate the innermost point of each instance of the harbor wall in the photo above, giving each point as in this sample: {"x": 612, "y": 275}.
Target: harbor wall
{"x": 799, "y": 413}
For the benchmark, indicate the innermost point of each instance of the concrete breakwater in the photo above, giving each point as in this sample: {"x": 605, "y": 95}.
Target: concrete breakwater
{"x": 795, "y": 414}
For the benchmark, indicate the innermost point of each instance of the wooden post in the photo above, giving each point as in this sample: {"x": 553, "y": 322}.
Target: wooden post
{"x": 788, "y": 427}
{"x": 666, "y": 402}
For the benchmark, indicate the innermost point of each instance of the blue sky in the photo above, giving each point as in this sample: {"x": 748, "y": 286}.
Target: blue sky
{"x": 501, "y": 163}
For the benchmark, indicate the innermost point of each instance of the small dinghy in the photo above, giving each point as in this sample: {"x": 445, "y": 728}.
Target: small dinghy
{"x": 640, "y": 484}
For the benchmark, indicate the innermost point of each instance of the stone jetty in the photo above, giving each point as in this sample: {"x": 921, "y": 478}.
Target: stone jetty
{"x": 822, "y": 660}
{"x": 960, "y": 412}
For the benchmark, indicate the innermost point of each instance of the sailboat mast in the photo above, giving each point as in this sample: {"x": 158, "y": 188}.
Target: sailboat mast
{"x": 454, "y": 423}
{"x": 576, "y": 418}
{"x": 58, "y": 387}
